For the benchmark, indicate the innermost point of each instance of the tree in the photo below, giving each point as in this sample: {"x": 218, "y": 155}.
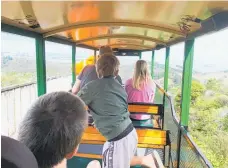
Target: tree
{"x": 213, "y": 84}
{"x": 197, "y": 90}
{"x": 225, "y": 123}
{"x": 221, "y": 100}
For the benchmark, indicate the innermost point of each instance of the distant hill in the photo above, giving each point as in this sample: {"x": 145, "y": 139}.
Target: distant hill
{"x": 59, "y": 64}
{"x": 222, "y": 76}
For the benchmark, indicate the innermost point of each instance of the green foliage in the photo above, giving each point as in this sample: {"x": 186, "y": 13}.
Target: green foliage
{"x": 197, "y": 90}
{"x": 208, "y": 129}
{"x": 204, "y": 121}
{"x": 221, "y": 100}
{"x": 206, "y": 104}
{"x": 17, "y": 78}
{"x": 213, "y": 84}
{"x": 225, "y": 123}
{"x": 214, "y": 147}
{"x": 178, "y": 98}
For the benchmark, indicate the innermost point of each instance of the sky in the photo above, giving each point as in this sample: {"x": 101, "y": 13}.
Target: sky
{"x": 210, "y": 51}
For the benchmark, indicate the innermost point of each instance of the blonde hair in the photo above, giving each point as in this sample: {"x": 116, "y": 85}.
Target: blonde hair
{"x": 107, "y": 65}
{"x": 141, "y": 74}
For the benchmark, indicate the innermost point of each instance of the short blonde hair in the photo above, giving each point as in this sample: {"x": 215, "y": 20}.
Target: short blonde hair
{"x": 107, "y": 65}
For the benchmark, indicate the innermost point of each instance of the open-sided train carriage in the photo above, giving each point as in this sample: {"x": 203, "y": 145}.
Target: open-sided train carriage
{"x": 130, "y": 28}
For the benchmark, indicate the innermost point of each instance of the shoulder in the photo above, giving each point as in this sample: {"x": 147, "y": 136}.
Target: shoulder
{"x": 118, "y": 78}
{"x": 128, "y": 82}
{"x": 151, "y": 84}
{"x": 93, "y": 83}
{"x": 89, "y": 67}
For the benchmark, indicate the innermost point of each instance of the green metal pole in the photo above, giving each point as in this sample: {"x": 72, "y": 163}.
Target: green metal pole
{"x": 152, "y": 64}
{"x": 73, "y": 64}
{"x": 187, "y": 81}
{"x": 40, "y": 65}
{"x": 140, "y": 55}
{"x": 166, "y": 75}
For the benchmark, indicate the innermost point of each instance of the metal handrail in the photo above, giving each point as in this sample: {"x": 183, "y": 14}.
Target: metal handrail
{"x": 183, "y": 131}
{"x": 196, "y": 148}
{"x": 186, "y": 134}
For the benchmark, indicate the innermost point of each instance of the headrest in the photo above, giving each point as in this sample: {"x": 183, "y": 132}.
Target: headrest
{"x": 16, "y": 155}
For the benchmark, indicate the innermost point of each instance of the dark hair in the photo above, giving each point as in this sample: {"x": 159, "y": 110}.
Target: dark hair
{"x": 107, "y": 65}
{"x": 53, "y": 127}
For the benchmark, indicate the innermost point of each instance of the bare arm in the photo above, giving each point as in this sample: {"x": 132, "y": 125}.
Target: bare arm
{"x": 76, "y": 87}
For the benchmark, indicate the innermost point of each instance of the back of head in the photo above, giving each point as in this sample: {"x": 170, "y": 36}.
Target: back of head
{"x": 141, "y": 74}
{"x": 107, "y": 65}
{"x": 105, "y": 50}
{"x": 16, "y": 155}
{"x": 53, "y": 127}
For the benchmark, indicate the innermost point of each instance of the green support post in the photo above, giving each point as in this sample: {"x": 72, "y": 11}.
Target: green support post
{"x": 140, "y": 55}
{"x": 166, "y": 75}
{"x": 40, "y": 65}
{"x": 73, "y": 64}
{"x": 152, "y": 64}
{"x": 187, "y": 81}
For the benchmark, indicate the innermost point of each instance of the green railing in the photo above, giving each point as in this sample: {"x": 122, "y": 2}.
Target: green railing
{"x": 184, "y": 153}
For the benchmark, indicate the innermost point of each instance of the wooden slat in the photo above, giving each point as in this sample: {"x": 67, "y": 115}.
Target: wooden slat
{"x": 151, "y": 140}
{"x": 93, "y": 137}
{"x": 141, "y": 132}
{"x": 143, "y": 109}
{"x": 151, "y": 132}
{"x": 139, "y": 145}
{"x": 86, "y": 155}
{"x": 145, "y": 136}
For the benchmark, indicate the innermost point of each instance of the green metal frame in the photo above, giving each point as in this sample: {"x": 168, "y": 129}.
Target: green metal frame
{"x": 73, "y": 64}
{"x": 187, "y": 81}
{"x": 140, "y": 55}
{"x": 166, "y": 74}
{"x": 40, "y": 65}
{"x": 152, "y": 64}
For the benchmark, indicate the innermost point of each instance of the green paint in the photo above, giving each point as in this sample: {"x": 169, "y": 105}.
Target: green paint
{"x": 166, "y": 75}
{"x": 18, "y": 31}
{"x": 40, "y": 65}
{"x": 152, "y": 64}
{"x": 187, "y": 81}
{"x": 140, "y": 55}
{"x": 73, "y": 64}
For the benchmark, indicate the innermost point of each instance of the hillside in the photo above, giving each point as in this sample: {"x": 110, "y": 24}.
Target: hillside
{"x": 60, "y": 65}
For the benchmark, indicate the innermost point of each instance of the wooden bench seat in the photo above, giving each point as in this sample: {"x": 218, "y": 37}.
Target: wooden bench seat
{"x": 146, "y": 137}
{"x": 145, "y": 108}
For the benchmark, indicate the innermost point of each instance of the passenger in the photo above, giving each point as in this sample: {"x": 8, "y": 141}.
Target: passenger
{"x": 16, "y": 155}
{"x": 89, "y": 74}
{"x": 53, "y": 127}
{"x": 107, "y": 101}
{"x": 140, "y": 88}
